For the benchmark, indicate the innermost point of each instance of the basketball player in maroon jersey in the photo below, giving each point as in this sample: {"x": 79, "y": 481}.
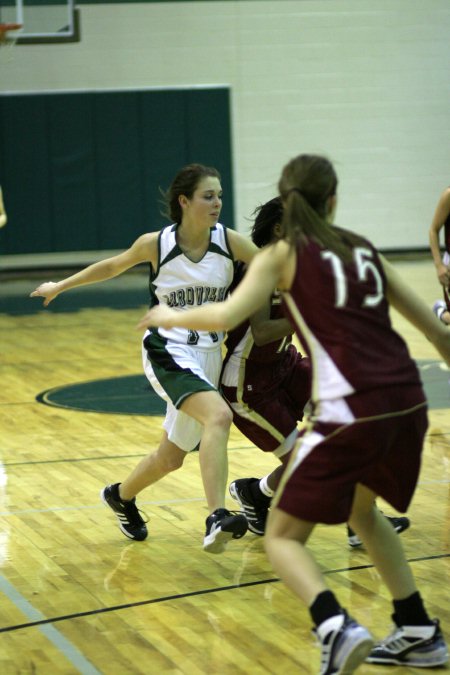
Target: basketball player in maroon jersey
{"x": 441, "y": 219}
{"x": 265, "y": 381}
{"x": 369, "y": 413}
{"x": 267, "y": 384}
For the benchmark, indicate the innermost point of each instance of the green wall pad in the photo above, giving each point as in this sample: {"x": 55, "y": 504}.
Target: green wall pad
{"x": 82, "y": 171}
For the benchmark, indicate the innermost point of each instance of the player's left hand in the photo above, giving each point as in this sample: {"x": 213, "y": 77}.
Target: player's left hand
{"x": 49, "y": 290}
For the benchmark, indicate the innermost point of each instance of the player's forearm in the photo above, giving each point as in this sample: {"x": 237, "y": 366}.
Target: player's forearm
{"x": 100, "y": 271}
{"x": 411, "y": 306}
{"x": 435, "y": 247}
{"x": 207, "y": 317}
{"x": 270, "y": 331}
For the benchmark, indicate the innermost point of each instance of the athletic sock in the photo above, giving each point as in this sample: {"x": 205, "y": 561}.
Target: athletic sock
{"x": 259, "y": 497}
{"x": 411, "y": 611}
{"x": 264, "y": 487}
{"x": 324, "y": 607}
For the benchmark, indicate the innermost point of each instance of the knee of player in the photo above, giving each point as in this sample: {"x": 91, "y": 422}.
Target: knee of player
{"x": 220, "y": 416}
{"x": 169, "y": 458}
{"x": 172, "y": 463}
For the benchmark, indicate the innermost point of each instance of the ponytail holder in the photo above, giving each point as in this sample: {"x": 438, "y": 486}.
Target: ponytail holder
{"x": 302, "y": 194}
{"x": 298, "y": 191}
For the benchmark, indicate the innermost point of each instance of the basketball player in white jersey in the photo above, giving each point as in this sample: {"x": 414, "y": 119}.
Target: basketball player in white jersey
{"x": 192, "y": 264}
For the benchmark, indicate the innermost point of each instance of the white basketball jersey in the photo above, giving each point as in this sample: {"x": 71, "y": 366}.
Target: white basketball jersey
{"x": 182, "y": 284}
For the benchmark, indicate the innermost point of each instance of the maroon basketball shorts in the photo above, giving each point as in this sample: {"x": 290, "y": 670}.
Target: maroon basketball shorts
{"x": 382, "y": 452}
{"x": 269, "y": 402}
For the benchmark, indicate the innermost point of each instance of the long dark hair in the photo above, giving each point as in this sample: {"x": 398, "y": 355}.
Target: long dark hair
{"x": 306, "y": 184}
{"x": 184, "y": 183}
{"x": 267, "y": 216}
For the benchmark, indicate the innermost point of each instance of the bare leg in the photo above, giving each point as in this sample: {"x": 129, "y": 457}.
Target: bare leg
{"x": 210, "y": 409}
{"x": 273, "y": 479}
{"x": 382, "y": 543}
{"x": 284, "y": 542}
{"x": 168, "y": 457}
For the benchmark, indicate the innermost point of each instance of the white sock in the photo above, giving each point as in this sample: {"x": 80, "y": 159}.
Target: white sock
{"x": 264, "y": 487}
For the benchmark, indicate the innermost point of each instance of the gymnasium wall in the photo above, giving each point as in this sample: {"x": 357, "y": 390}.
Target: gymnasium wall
{"x": 364, "y": 81}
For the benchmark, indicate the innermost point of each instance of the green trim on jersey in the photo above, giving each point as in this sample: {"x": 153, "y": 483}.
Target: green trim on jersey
{"x": 174, "y": 253}
{"x": 213, "y": 248}
{"x": 178, "y": 383}
{"x": 180, "y": 281}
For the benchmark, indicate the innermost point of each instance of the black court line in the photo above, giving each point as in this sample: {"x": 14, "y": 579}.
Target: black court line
{"x": 73, "y": 459}
{"x": 97, "y": 459}
{"x": 191, "y": 594}
{"x": 68, "y": 460}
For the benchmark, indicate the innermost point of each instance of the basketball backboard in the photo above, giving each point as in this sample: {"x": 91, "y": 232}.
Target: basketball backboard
{"x": 42, "y": 20}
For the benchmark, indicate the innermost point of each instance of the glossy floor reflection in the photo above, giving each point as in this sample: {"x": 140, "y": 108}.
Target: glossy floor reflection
{"x": 78, "y": 597}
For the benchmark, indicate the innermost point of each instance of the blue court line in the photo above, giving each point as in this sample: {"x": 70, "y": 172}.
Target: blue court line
{"x": 60, "y": 642}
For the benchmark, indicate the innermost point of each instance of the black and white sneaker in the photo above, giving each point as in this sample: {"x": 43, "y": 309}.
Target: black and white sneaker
{"x": 255, "y": 510}
{"x": 221, "y": 526}
{"x": 399, "y": 524}
{"x": 130, "y": 520}
{"x": 344, "y": 645}
{"x": 419, "y": 646}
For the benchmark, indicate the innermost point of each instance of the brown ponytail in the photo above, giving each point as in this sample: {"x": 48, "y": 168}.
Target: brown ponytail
{"x": 306, "y": 184}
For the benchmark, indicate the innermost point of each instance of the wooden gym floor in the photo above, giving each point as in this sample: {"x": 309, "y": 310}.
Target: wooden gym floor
{"x": 78, "y": 597}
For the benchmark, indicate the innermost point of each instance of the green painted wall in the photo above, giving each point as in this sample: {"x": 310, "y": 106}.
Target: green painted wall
{"x": 82, "y": 171}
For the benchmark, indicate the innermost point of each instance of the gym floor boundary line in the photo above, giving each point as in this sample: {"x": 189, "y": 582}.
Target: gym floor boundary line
{"x": 64, "y": 646}
{"x": 191, "y": 594}
{"x": 63, "y": 460}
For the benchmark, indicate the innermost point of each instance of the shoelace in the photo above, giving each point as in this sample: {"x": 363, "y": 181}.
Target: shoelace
{"x": 132, "y": 516}
{"x": 235, "y": 513}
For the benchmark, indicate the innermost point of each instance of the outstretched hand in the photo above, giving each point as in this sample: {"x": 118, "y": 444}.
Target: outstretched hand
{"x": 443, "y": 273}
{"x": 48, "y": 291}
{"x": 160, "y": 316}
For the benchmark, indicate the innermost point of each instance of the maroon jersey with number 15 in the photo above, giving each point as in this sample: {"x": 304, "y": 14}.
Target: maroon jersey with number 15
{"x": 341, "y": 317}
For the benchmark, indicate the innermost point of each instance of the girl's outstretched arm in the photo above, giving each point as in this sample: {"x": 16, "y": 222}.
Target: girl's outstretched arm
{"x": 144, "y": 249}
{"x": 405, "y": 301}
{"x": 255, "y": 289}
{"x": 440, "y": 216}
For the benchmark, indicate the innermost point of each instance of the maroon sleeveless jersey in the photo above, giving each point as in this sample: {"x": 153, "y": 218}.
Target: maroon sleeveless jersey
{"x": 240, "y": 343}
{"x": 341, "y": 317}
{"x": 267, "y": 386}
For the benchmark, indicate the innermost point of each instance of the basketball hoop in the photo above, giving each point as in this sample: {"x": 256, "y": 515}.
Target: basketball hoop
{"x": 8, "y": 37}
